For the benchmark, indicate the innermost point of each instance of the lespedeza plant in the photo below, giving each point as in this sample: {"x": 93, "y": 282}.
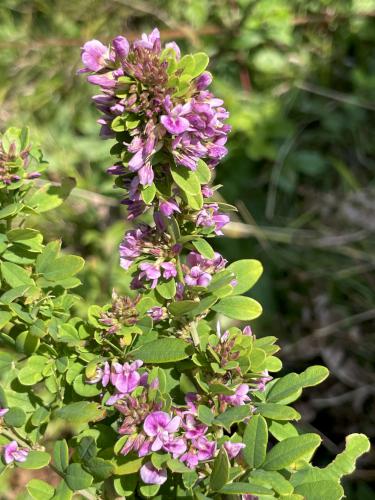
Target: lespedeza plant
{"x": 161, "y": 401}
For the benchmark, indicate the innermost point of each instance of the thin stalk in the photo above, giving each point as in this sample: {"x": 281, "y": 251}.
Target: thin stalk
{"x": 117, "y": 349}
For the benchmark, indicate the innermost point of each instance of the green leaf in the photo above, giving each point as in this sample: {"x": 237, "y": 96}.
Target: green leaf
{"x": 125, "y": 486}
{"x": 32, "y": 372}
{"x": 201, "y": 61}
{"x": 49, "y": 196}
{"x": 9, "y": 210}
{"x": 176, "y": 466}
{"x": 40, "y": 416}
{"x": 15, "y": 275}
{"x": 204, "y": 248}
{"x": 287, "y": 389}
{"x": 84, "y": 389}
{"x": 40, "y": 490}
{"x": 203, "y": 172}
{"x": 5, "y": 317}
{"x": 181, "y": 307}
{"x": 63, "y": 492}
{"x": 285, "y": 453}
{"x": 61, "y": 455}
{"x": 233, "y": 415}
{"x": 167, "y": 289}
{"x": 344, "y": 464}
{"x": 77, "y": 478}
{"x": 63, "y": 267}
{"x": 46, "y": 259}
{"x": 149, "y": 490}
{"x": 79, "y": 413}
{"x": 275, "y": 411}
{"x": 167, "y": 350}
{"x": 38, "y": 329}
{"x": 241, "y": 308}
{"x": 15, "y": 417}
{"x": 205, "y": 415}
{"x": 186, "y": 179}
{"x": 35, "y": 460}
{"x": 101, "y": 469}
{"x": 127, "y": 465}
{"x": 315, "y": 484}
{"x": 247, "y": 272}
{"x": 274, "y": 480}
{"x": 282, "y": 430}
{"x": 148, "y": 193}
{"x": 220, "y": 471}
{"x": 245, "y": 489}
{"x": 255, "y": 438}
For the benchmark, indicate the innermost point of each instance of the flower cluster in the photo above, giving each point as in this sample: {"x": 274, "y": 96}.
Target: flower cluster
{"x": 158, "y": 107}
{"x": 161, "y": 100}
{"x": 17, "y": 159}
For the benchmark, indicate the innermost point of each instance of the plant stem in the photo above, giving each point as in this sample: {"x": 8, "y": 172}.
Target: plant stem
{"x": 13, "y": 435}
{"x": 117, "y": 349}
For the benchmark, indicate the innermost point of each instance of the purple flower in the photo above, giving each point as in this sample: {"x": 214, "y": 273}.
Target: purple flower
{"x": 148, "y": 41}
{"x": 94, "y": 54}
{"x": 150, "y": 272}
{"x": 3, "y": 411}
{"x": 157, "y": 313}
{"x": 262, "y": 381}
{"x": 12, "y": 453}
{"x": 209, "y": 216}
{"x": 121, "y": 47}
{"x": 197, "y": 277}
{"x": 169, "y": 270}
{"x": 203, "y": 81}
{"x": 240, "y": 397}
{"x": 174, "y": 121}
{"x": 175, "y": 47}
{"x": 201, "y": 449}
{"x": 161, "y": 427}
{"x": 247, "y": 331}
{"x": 106, "y": 374}
{"x": 131, "y": 247}
{"x": 125, "y": 377}
{"x": 167, "y": 208}
{"x": 233, "y": 449}
{"x": 150, "y": 475}
{"x": 193, "y": 428}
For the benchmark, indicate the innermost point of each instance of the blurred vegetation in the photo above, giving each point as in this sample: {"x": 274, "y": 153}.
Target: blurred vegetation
{"x": 298, "y": 77}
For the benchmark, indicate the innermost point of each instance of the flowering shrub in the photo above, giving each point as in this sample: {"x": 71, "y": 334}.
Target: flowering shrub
{"x": 159, "y": 400}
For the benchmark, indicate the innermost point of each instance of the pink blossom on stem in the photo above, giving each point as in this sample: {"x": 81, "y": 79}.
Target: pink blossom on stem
{"x": 13, "y": 453}
{"x": 233, "y": 449}
{"x": 151, "y": 475}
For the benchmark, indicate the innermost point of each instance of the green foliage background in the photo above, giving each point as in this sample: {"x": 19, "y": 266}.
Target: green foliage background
{"x": 298, "y": 79}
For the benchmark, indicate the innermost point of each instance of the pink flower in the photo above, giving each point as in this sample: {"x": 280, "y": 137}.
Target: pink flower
{"x": 121, "y": 47}
{"x": 240, "y": 397}
{"x": 3, "y": 411}
{"x": 93, "y": 55}
{"x": 106, "y": 374}
{"x": 161, "y": 427}
{"x": 193, "y": 429}
{"x": 169, "y": 270}
{"x": 168, "y": 207}
{"x": 233, "y": 449}
{"x": 247, "y": 331}
{"x": 125, "y": 377}
{"x": 150, "y": 272}
{"x": 175, "y": 122}
{"x": 200, "y": 449}
{"x": 151, "y": 475}
{"x": 12, "y": 453}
